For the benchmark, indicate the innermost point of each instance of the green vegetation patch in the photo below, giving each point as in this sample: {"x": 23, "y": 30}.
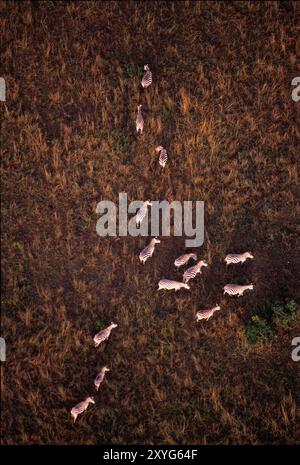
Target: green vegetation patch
{"x": 260, "y": 329}
{"x": 284, "y": 313}
{"x": 100, "y": 325}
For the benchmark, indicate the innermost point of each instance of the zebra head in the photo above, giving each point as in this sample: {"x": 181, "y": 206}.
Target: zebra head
{"x": 146, "y": 67}
{"x": 90, "y": 400}
{"x": 249, "y": 255}
{"x": 159, "y": 148}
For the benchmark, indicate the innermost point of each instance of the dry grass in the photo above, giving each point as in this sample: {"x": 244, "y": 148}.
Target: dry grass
{"x": 221, "y": 105}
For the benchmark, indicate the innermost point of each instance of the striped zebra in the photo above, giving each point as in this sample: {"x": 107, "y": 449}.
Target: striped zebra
{"x": 193, "y": 271}
{"x": 183, "y": 259}
{"x": 147, "y": 252}
{"x": 147, "y": 78}
{"x": 142, "y": 212}
{"x": 163, "y": 156}
{"x": 100, "y": 377}
{"x": 237, "y": 257}
{"x": 81, "y": 407}
{"x": 104, "y": 334}
{"x": 169, "y": 285}
{"x": 139, "y": 120}
{"x": 207, "y": 314}
{"x": 236, "y": 289}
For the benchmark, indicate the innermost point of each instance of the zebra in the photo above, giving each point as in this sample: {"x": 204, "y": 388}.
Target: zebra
{"x": 100, "y": 377}
{"x": 207, "y": 314}
{"x": 193, "y": 271}
{"x": 163, "y": 157}
{"x": 169, "y": 285}
{"x": 147, "y": 78}
{"x": 81, "y": 407}
{"x": 183, "y": 259}
{"x": 237, "y": 258}
{"x": 139, "y": 120}
{"x": 142, "y": 212}
{"x": 147, "y": 252}
{"x": 104, "y": 334}
{"x": 234, "y": 289}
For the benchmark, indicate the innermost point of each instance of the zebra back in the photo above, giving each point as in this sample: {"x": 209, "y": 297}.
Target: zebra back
{"x": 191, "y": 273}
{"x": 141, "y": 214}
{"x": 232, "y": 289}
{"x": 139, "y": 120}
{"x": 79, "y": 408}
{"x": 163, "y": 157}
{"x": 102, "y": 336}
{"x": 183, "y": 259}
{"x": 203, "y": 314}
{"x": 170, "y": 284}
{"x": 166, "y": 284}
{"x": 147, "y": 252}
{"x": 233, "y": 258}
{"x": 147, "y": 78}
{"x": 99, "y": 378}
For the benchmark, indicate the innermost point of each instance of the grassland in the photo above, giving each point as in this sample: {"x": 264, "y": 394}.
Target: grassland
{"x": 221, "y": 104}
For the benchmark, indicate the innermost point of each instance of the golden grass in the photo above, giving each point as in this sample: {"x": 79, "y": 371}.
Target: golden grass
{"x": 221, "y": 105}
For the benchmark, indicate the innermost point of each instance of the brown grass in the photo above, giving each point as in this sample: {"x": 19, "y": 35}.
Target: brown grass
{"x": 221, "y": 105}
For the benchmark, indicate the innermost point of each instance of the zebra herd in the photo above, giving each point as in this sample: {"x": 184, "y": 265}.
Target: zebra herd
{"x": 147, "y": 252}
{"x": 167, "y": 284}
{"x": 191, "y": 272}
{"x": 98, "y": 338}
{"x": 103, "y": 335}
